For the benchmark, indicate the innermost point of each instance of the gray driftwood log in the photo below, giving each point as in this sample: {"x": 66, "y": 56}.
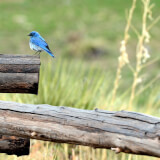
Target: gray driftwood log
{"x": 19, "y": 73}
{"x": 121, "y": 131}
{"x": 14, "y": 145}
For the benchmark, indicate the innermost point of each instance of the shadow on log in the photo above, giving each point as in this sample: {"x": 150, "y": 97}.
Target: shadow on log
{"x": 19, "y": 73}
{"x": 123, "y": 131}
{"x": 14, "y": 145}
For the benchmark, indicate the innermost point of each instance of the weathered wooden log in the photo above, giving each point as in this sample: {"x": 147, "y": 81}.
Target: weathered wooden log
{"x": 19, "y": 74}
{"x": 121, "y": 131}
{"x": 14, "y": 145}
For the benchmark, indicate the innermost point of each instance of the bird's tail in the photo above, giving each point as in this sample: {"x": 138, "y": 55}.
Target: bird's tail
{"x": 50, "y": 53}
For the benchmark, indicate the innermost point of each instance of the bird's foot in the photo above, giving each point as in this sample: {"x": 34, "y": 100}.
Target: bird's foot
{"x": 36, "y": 53}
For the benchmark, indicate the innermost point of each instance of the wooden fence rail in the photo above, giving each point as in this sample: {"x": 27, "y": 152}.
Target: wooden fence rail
{"x": 122, "y": 131}
{"x": 19, "y": 73}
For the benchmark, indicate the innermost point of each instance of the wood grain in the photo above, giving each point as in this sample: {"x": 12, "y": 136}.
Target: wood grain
{"x": 122, "y": 131}
{"x": 19, "y": 73}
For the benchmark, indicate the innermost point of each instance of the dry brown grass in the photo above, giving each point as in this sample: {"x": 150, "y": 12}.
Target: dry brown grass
{"x": 141, "y": 51}
{"x": 123, "y": 58}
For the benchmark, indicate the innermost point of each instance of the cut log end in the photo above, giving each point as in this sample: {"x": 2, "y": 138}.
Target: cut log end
{"x": 116, "y": 150}
{"x": 19, "y": 74}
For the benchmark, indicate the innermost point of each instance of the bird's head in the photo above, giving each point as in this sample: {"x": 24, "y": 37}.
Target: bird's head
{"x": 34, "y": 34}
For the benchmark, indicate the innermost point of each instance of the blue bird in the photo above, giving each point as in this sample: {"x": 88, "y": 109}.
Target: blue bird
{"x": 38, "y": 44}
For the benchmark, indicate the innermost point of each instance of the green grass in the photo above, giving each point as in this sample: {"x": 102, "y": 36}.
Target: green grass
{"x": 65, "y": 82}
{"x": 77, "y": 77}
{"x": 73, "y": 83}
{"x": 96, "y": 21}
{"x": 69, "y": 83}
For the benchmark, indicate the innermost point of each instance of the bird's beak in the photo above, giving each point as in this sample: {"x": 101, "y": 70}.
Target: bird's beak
{"x": 29, "y": 34}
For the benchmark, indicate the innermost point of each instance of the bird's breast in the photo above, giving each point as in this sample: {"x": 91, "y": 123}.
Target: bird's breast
{"x": 34, "y": 47}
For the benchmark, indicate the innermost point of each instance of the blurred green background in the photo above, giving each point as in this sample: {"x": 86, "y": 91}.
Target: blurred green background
{"x": 85, "y": 37}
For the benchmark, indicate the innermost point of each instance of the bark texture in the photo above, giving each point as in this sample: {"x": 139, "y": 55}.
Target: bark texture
{"x": 14, "y": 145}
{"x": 122, "y": 131}
{"x": 19, "y": 73}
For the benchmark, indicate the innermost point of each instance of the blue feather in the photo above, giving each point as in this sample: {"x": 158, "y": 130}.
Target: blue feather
{"x": 38, "y": 43}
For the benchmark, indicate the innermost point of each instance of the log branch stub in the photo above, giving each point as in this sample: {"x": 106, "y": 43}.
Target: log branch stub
{"x": 12, "y": 145}
{"x": 19, "y": 73}
{"x": 123, "y": 131}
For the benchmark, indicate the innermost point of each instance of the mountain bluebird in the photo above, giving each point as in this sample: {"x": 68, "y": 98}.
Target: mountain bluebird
{"x": 38, "y": 44}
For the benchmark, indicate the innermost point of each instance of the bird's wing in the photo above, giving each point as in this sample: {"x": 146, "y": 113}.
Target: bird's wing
{"x": 44, "y": 41}
{"x": 42, "y": 38}
{"x": 39, "y": 42}
{"x": 42, "y": 44}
